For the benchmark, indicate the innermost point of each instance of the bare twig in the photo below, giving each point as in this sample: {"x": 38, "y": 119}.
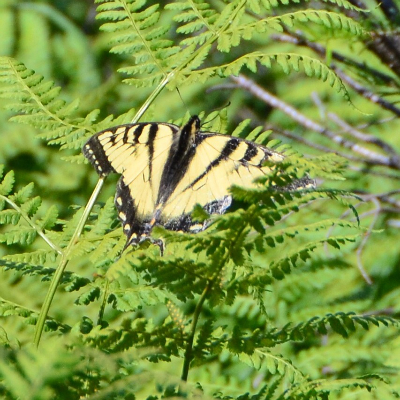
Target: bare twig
{"x": 371, "y": 157}
{"x": 374, "y": 123}
{"x": 375, "y": 173}
{"x": 386, "y": 197}
{"x": 365, "y": 240}
{"x": 299, "y": 40}
{"x": 363, "y": 91}
{"x": 311, "y": 144}
{"x": 362, "y": 136}
{"x": 247, "y": 113}
{"x": 368, "y": 94}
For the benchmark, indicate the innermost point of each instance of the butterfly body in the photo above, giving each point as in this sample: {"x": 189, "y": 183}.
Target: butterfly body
{"x": 166, "y": 170}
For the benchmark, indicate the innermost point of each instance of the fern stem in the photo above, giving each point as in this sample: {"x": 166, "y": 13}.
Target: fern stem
{"x": 103, "y": 303}
{"x": 25, "y": 216}
{"x": 63, "y": 263}
{"x": 193, "y": 5}
{"x": 152, "y": 97}
{"x": 189, "y": 346}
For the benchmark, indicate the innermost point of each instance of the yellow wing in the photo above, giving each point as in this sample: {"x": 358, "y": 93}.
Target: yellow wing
{"x": 219, "y": 162}
{"x": 165, "y": 171}
{"x": 138, "y": 152}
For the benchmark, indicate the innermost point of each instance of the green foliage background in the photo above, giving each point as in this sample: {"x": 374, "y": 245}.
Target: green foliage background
{"x": 286, "y": 299}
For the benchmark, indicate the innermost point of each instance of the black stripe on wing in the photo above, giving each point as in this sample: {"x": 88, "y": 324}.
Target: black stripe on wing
{"x": 152, "y": 136}
{"x": 230, "y": 146}
{"x": 94, "y": 152}
{"x": 136, "y": 132}
{"x": 250, "y": 152}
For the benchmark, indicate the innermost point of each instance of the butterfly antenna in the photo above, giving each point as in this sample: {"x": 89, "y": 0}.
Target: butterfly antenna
{"x": 216, "y": 115}
{"x": 183, "y": 101}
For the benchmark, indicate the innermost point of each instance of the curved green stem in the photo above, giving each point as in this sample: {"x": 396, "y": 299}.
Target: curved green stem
{"x": 152, "y": 97}
{"x": 189, "y": 346}
{"x": 63, "y": 263}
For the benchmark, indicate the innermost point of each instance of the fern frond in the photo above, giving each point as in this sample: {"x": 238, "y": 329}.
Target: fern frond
{"x": 108, "y": 248}
{"x": 209, "y": 342}
{"x": 24, "y": 236}
{"x": 139, "y": 332}
{"x": 30, "y": 94}
{"x": 133, "y": 298}
{"x": 88, "y": 296}
{"x": 69, "y": 228}
{"x": 329, "y": 166}
{"x": 171, "y": 272}
{"x": 49, "y": 219}
{"x": 284, "y": 265}
{"x": 21, "y": 205}
{"x": 104, "y": 220}
{"x": 37, "y": 103}
{"x": 278, "y": 238}
{"x": 341, "y": 323}
{"x": 262, "y": 358}
{"x": 322, "y": 388}
{"x": 8, "y": 308}
{"x": 136, "y": 31}
{"x": 71, "y": 281}
{"x": 329, "y": 19}
{"x": 287, "y": 61}
{"x": 7, "y": 183}
{"x": 9, "y": 217}
{"x": 37, "y": 257}
{"x": 194, "y": 17}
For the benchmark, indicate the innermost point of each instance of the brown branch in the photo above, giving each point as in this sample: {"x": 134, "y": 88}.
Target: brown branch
{"x": 371, "y": 157}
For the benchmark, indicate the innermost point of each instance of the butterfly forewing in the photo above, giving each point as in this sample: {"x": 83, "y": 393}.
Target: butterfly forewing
{"x": 138, "y": 152}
